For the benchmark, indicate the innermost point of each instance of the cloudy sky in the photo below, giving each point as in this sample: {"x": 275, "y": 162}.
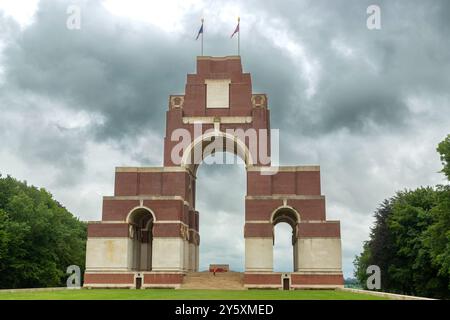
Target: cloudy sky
{"x": 369, "y": 106}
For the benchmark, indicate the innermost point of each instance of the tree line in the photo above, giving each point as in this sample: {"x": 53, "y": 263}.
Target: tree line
{"x": 39, "y": 238}
{"x": 410, "y": 240}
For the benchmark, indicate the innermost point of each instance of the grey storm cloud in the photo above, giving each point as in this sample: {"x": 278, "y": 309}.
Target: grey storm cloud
{"x": 115, "y": 67}
{"x": 363, "y": 104}
{"x": 109, "y": 66}
{"x": 364, "y": 75}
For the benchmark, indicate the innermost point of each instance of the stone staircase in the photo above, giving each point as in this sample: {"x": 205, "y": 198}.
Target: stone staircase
{"x": 206, "y": 280}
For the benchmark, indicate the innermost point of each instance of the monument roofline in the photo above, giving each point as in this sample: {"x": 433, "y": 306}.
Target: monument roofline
{"x": 218, "y": 58}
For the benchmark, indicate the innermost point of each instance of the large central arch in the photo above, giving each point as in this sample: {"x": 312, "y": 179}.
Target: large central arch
{"x": 158, "y": 203}
{"x": 220, "y": 199}
{"x": 229, "y": 143}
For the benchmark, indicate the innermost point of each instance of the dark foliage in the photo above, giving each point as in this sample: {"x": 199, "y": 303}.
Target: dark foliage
{"x": 39, "y": 238}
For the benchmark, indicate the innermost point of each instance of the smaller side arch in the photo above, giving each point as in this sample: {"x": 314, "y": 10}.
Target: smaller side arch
{"x": 136, "y": 210}
{"x": 292, "y": 213}
{"x": 140, "y": 223}
{"x": 291, "y": 216}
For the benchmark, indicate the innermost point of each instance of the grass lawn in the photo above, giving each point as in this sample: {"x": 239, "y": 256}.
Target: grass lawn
{"x": 168, "y": 294}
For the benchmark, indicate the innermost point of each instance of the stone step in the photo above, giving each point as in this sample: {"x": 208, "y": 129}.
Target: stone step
{"x": 207, "y": 280}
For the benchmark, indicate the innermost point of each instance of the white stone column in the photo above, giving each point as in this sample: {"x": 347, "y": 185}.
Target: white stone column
{"x": 197, "y": 258}
{"x": 259, "y": 254}
{"x": 149, "y": 256}
{"x": 295, "y": 260}
{"x": 192, "y": 257}
{"x": 168, "y": 254}
{"x": 186, "y": 259}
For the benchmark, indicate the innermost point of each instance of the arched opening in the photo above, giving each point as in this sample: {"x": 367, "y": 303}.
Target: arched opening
{"x": 221, "y": 204}
{"x": 140, "y": 222}
{"x": 214, "y": 143}
{"x": 285, "y": 220}
{"x": 221, "y": 218}
{"x": 283, "y": 259}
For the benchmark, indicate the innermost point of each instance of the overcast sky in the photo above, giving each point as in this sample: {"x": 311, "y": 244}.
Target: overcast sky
{"x": 368, "y": 106}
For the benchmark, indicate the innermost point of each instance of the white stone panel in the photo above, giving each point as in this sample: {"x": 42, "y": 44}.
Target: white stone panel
{"x": 217, "y": 93}
{"x": 107, "y": 253}
{"x": 258, "y": 254}
{"x": 168, "y": 254}
{"x": 319, "y": 254}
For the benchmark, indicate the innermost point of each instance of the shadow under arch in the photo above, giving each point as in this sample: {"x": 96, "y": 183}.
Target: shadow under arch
{"x": 140, "y": 222}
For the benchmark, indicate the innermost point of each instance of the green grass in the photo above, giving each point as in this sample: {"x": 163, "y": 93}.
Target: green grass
{"x": 168, "y": 294}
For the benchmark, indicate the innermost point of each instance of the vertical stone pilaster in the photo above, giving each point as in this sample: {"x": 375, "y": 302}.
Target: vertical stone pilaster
{"x": 186, "y": 256}
{"x": 192, "y": 257}
{"x": 197, "y": 258}
{"x": 295, "y": 249}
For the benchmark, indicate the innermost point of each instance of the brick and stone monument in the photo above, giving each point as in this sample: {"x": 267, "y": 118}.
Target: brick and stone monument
{"x": 149, "y": 232}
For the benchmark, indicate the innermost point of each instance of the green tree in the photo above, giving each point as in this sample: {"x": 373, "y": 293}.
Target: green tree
{"x": 412, "y": 271}
{"x": 444, "y": 151}
{"x": 379, "y": 250}
{"x": 410, "y": 240}
{"x": 437, "y": 236}
{"x": 39, "y": 238}
{"x": 400, "y": 244}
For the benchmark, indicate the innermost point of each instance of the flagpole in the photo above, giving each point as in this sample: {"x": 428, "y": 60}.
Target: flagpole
{"x": 203, "y": 31}
{"x": 239, "y": 36}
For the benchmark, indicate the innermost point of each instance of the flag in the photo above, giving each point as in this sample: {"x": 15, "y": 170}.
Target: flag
{"x": 200, "y": 31}
{"x": 235, "y": 30}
